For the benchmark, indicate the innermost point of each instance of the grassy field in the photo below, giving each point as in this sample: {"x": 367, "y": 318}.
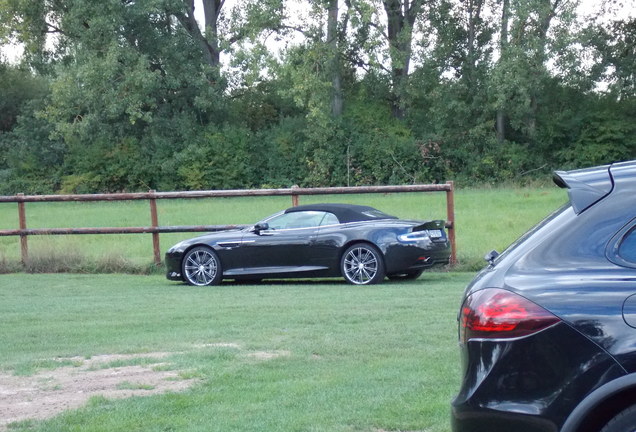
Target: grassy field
{"x": 290, "y": 356}
{"x": 378, "y": 358}
{"x": 485, "y": 219}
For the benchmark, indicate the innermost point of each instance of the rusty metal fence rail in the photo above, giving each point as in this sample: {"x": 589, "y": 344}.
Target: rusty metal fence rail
{"x": 155, "y": 229}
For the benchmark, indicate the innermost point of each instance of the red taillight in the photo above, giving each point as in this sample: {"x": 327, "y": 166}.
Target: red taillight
{"x": 499, "y": 314}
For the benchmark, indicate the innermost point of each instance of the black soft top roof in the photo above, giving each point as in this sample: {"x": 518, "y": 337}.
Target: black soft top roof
{"x": 345, "y": 212}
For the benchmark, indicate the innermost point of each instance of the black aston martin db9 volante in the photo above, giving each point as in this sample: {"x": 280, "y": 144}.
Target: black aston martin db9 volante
{"x": 359, "y": 243}
{"x": 548, "y": 330}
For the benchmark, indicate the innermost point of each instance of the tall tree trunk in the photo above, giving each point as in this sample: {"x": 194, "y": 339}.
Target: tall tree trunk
{"x": 337, "y": 101}
{"x": 208, "y": 41}
{"x": 474, "y": 17}
{"x": 547, "y": 11}
{"x": 503, "y": 48}
{"x": 401, "y": 16}
{"x": 211, "y": 11}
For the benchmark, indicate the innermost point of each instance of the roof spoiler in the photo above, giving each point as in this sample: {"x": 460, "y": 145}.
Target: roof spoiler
{"x": 585, "y": 187}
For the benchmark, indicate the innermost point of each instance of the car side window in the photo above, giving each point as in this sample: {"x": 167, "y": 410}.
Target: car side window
{"x": 294, "y": 220}
{"x": 627, "y": 248}
{"x": 329, "y": 219}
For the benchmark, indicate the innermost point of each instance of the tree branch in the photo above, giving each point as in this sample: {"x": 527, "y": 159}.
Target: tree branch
{"x": 369, "y": 23}
{"x": 413, "y": 11}
{"x": 50, "y": 28}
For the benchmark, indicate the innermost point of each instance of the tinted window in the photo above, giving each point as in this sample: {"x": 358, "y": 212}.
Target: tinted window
{"x": 627, "y": 249}
{"x": 305, "y": 219}
{"x": 532, "y": 231}
{"x": 329, "y": 219}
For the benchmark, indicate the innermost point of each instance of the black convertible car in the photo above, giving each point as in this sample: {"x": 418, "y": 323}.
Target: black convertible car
{"x": 548, "y": 329}
{"x": 359, "y": 243}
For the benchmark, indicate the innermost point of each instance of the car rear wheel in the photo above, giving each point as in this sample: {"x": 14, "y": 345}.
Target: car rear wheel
{"x": 362, "y": 264}
{"x": 201, "y": 267}
{"x": 625, "y": 421}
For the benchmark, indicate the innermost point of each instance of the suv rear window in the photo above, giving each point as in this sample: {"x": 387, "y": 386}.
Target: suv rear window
{"x": 533, "y": 230}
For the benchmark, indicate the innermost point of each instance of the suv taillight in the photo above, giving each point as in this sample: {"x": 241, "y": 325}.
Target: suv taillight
{"x": 499, "y": 314}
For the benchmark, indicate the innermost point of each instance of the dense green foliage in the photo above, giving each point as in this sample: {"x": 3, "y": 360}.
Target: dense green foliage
{"x": 132, "y": 95}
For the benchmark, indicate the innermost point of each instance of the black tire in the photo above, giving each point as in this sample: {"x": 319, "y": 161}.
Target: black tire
{"x": 201, "y": 267}
{"x": 625, "y": 421}
{"x": 362, "y": 264}
{"x": 410, "y": 275}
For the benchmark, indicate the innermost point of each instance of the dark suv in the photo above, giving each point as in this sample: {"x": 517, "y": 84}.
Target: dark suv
{"x": 548, "y": 330}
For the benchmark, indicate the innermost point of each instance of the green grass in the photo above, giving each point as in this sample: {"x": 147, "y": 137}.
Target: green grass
{"x": 378, "y": 358}
{"x": 127, "y": 385}
{"x": 485, "y": 219}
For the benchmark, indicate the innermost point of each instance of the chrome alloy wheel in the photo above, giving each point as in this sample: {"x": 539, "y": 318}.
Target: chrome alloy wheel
{"x": 201, "y": 267}
{"x": 362, "y": 265}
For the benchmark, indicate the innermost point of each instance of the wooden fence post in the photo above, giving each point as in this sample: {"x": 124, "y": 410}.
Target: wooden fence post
{"x": 154, "y": 220}
{"x": 24, "y": 245}
{"x": 294, "y": 196}
{"x": 450, "y": 215}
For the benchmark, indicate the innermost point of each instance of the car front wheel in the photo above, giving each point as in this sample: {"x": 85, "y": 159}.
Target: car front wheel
{"x": 201, "y": 267}
{"x": 362, "y": 264}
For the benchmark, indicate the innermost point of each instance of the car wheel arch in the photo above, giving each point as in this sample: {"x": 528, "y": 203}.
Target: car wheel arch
{"x": 350, "y": 243}
{"x": 603, "y": 404}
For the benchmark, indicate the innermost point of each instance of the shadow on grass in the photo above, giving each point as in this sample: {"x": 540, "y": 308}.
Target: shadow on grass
{"x": 429, "y": 277}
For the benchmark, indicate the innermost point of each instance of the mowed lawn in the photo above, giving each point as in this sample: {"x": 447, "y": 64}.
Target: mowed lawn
{"x": 288, "y": 356}
{"x": 342, "y": 358}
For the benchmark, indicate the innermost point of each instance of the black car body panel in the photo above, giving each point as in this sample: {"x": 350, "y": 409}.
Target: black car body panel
{"x": 571, "y": 265}
{"x": 530, "y": 384}
{"x": 264, "y": 251}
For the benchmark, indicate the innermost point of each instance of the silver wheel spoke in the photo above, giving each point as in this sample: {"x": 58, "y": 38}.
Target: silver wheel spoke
{"x": 365, "y": 275}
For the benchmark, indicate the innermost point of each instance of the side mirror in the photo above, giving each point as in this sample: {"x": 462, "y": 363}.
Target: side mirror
{"x": 261, "y": 226}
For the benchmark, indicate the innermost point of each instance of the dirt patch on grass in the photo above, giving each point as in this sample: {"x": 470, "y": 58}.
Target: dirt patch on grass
{"x": 268, "y": 355}
{"x": 50, "y": 392}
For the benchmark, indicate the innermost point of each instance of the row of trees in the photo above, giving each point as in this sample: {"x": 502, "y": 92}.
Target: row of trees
{"x": 137, "y": 94}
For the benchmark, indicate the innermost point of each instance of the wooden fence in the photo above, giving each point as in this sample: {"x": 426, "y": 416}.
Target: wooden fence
{"x": 155, "y": 229}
